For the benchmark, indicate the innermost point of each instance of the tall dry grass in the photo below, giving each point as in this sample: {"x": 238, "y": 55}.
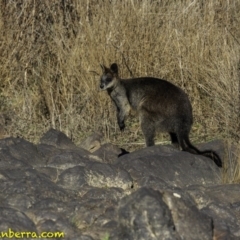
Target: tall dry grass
{"x": 50, "y": 53}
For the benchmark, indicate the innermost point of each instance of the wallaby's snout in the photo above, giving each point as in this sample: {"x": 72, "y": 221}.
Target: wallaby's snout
{"x": 105, "y": 81}
{"x": 101, "y": 85}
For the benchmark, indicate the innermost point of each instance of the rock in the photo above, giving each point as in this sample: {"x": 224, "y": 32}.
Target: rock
{"x": 16, "y": 220}
{"x": 222, "y": 204}
{"x": 50, "y": 172}
{"x": 22, "y": 150}
{"x": 96, "y": 175}
{"x": 161, "y": 167}
{"x": 8, "y": 161}
{"x": 113, "y": 194}
{"x": 22, "y": 190}
{"x": 69, "y": 158}
{"x": 92, "y": 214}
{"x": 53, "y": 222}
{"x": 52, "y": 154}
{"x": 19, "y": 201}
{"x": 48, "y": 151}
{"x": 62, "y": 159}
{"x": 109, "y": 153}
{"x": 73, "y": 178}
{"x": 92, "y": 143}
{"x": 189, "y": 222}
{"x": 58, "y": 139}
{"x": 203, "y": 195}
{"x": 48, "y": 207}
{"x": 106, "y": 175}
{"x": 144, "y": 215}
{"x": 225, "y": 221}
{"x": 86, "y": 214}
{"x": 153, "y": 193}
{"x": 149, "y": 214}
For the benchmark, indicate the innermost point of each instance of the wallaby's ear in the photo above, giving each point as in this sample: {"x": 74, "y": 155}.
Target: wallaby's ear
{"x": 114, "y": 68}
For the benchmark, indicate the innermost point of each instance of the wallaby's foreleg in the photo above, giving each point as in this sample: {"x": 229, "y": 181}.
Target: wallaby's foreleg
{"x": 122, "y": 113}
{"x": 120, "y": 119}
{"x": 122, "y": 106}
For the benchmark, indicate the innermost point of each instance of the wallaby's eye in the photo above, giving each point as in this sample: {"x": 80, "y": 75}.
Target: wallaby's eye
{"x": 109, "y": 79}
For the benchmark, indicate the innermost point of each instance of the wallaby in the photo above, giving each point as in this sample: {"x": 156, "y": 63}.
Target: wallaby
{"x": 160, "y": 105}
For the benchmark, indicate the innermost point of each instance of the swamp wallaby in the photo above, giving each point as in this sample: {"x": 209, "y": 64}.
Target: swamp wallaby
{"x": 160, "y": 105}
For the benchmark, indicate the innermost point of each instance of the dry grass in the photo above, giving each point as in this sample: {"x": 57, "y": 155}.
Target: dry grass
{"x": 49, "y": 50}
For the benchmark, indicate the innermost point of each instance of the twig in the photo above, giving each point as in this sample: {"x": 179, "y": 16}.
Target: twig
{"x": 125, "y": 62}
{"x": 94, "y": 73}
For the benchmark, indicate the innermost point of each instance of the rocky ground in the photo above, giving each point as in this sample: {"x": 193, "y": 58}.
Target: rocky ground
{"x": 153, "y": 193}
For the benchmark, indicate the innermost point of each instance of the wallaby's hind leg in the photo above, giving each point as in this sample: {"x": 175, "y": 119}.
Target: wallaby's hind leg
{"x": 185, "y": 144}
{"x": 148, "y": 129}
{"x": 174, "y": 139}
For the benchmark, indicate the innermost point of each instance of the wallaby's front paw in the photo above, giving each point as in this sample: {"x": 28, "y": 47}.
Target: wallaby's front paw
{"x": 121, "y": 126}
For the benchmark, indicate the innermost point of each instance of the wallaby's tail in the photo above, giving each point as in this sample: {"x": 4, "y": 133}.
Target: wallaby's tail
{"x": 207, "y": 153}
{"x": 214, "y": 156}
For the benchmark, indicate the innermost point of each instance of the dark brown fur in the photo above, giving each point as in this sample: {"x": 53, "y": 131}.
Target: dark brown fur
{"x": 161, "y": 106}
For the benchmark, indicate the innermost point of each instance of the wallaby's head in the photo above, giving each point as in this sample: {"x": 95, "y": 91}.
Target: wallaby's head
{"x": 109, "y": 78}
